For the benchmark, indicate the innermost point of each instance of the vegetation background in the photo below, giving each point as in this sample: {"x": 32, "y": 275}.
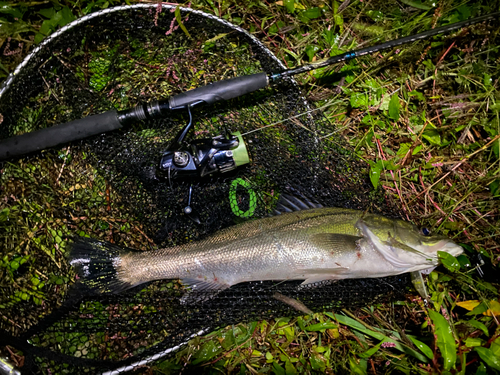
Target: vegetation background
{"x": 431, "y": 134}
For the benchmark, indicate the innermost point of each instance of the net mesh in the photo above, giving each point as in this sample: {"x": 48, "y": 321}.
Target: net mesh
{"x": 107, "y": 187}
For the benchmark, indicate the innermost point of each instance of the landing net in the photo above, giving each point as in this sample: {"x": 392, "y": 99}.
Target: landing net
{"x": 106, "y": 187}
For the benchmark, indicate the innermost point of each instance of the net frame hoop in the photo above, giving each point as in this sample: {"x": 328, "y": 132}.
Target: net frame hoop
{"x": 154, "y": 357}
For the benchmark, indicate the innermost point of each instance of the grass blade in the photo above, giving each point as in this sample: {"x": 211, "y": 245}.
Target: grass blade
{"x": 445, "y": 340}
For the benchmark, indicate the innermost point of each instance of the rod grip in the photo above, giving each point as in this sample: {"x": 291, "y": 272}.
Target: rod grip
{"x": 59, "y": 134}
{"x": 222, "y": 90}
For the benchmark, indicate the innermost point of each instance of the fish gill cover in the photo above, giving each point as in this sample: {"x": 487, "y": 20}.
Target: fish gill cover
{"x": 105, "y": 187}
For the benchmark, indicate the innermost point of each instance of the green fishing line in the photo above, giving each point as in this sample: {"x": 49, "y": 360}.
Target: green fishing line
{"x": 234, "y": 203}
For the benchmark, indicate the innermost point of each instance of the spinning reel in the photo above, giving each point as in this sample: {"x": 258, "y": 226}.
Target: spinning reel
{"x": 219, "y": 154}
{"x": 200, "y": 158}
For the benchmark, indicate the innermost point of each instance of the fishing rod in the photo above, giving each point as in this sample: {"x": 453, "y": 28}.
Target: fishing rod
{"x": 209, "y": 94}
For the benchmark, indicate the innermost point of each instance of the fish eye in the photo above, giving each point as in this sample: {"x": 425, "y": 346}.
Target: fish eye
{"x": 426, "y": 232}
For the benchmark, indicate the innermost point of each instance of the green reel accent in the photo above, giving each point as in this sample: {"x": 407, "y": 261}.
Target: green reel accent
{"x": 234, "y": 203}
{"x": 240, "y": 154}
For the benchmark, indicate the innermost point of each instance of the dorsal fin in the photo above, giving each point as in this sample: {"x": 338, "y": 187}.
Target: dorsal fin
{"x": 294, "y": 202}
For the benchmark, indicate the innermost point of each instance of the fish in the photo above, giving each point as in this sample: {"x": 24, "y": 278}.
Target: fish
{"x": 309, "y": 242}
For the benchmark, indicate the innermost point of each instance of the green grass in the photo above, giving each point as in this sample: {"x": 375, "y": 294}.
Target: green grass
{"x": 424, "y": 116}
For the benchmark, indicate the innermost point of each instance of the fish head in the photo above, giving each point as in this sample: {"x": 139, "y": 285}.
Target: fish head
{"x": 406, "y": 241}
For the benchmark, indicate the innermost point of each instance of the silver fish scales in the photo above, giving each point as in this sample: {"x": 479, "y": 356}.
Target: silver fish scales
{"x": 311, "y": 245}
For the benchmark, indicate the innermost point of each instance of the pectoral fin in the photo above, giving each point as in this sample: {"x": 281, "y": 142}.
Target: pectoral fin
{"x": 335, "y": 242}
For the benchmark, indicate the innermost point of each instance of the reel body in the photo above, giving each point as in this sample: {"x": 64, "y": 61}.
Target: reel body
{"x": 219, "y": 154}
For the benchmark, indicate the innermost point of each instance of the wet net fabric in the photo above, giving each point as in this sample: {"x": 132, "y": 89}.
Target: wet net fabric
{"x": 107, "y": 187}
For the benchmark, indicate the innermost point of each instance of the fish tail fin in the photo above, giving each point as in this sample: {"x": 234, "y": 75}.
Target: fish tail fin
{"x": 99, "y": 265}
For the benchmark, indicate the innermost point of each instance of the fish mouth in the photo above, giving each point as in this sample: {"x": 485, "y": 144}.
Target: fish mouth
{"x": 447, "y": 246}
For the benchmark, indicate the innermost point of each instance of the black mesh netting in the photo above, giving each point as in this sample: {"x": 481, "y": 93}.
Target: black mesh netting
{"x": 107, "y": 187}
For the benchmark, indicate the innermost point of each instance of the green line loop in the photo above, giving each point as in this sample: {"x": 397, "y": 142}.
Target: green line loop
{"x": 234, "y": 202}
